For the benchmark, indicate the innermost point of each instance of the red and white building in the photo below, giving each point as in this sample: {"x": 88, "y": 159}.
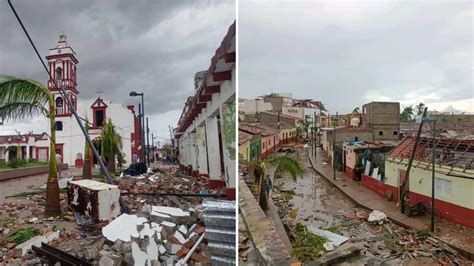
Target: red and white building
{"x": 70, "y": 141}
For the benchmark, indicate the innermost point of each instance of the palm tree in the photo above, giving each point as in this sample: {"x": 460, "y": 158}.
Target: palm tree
{"x": 407, "y": 113}
{"x": 356, "y": 110}
{"x": 420, "y": 108}
{"x": 282, "y": 164}
{"x": 21, "y": 98}
{"x": 322, "y": 107}
{"x": 306, "y": 124}
{"x": 111, "y": 144}
{"x": 87, "y": 167}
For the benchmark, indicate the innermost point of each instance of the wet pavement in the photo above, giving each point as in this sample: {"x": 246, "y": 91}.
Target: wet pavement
{"x": 315, "y": 202}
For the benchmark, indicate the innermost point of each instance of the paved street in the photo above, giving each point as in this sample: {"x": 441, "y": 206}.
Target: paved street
{"x": 30, "y": 183}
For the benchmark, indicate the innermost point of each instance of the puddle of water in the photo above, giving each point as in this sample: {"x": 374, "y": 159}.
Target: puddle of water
{"x": 317, "y": 201}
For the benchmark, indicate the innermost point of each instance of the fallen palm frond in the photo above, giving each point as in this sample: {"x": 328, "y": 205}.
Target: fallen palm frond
{"x": 287, "y": 164}
{"x": 306, "y": 245}
{"x": 23, "y": 235}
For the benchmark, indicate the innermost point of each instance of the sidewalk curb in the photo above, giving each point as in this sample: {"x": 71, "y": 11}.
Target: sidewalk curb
{"x": 469, "y": 255}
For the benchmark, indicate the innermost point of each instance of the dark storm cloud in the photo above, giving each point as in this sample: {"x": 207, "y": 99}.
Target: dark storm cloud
{"x": 347, "y": 53}
{"x": 151, "y": 46}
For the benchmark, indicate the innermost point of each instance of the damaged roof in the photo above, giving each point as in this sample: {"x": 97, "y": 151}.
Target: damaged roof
{"x": 448, "y": 152}
{"x": 244, "y": 137}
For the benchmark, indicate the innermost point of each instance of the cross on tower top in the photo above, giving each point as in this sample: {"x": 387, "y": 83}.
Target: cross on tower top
{"x": 99, "y": 91}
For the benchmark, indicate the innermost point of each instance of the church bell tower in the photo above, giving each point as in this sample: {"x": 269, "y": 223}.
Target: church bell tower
{"x": 62, "y": 63}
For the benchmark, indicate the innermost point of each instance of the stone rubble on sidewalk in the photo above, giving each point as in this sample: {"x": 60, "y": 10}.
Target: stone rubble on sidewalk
{"x": 378, "y": 239}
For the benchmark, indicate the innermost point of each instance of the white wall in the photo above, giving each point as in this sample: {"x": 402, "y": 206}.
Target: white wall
{"x": 74, "y": 140}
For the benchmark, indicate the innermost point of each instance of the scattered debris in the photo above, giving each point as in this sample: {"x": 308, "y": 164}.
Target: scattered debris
{"x": 135, "y": 169}
{"x": 377, "y": 217}
{"x": 335, "y": 239}
{"x": 162, "y": 227}
{"x": 308, "y": 246}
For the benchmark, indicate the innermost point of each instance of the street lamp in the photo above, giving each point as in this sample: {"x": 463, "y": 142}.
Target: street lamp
{"x": 142, "y": 122}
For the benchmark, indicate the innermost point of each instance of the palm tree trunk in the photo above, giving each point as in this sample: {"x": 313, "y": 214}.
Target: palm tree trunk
{"x": 263, "y": 195}
{"x": 53, "y": 207}
{"x": 111, "y": 162}
{"x": 86, "y": 168}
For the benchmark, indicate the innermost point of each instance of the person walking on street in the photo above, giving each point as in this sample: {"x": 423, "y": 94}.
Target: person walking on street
{"x": 59, "y": 164}
{"x": 268, "y": 185}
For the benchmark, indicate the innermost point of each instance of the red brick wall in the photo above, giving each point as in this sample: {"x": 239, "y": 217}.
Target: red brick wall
{"x": 379, "y": 187}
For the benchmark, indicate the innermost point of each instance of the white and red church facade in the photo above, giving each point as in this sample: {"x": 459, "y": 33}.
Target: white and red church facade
{"x": 70, "y": 141}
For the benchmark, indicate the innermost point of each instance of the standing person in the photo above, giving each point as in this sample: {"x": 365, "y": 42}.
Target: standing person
{"x": 59, "y": 163}
{"x": 268, "y": 185}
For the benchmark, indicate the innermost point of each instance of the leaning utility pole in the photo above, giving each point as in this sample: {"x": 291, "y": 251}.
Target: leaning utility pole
{"x": 123, "y": 206}
{"x": 172, "y": 142}
{"x": 334, "y": 147}
{"x": 147, "y": 143}
{"x": 405, "y": 184}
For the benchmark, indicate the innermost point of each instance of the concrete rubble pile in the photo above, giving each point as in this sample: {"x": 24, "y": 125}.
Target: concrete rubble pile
{"x": 160, "y": 229}
{"x": 158, "y": 234}
{"x": 371, "y": 234}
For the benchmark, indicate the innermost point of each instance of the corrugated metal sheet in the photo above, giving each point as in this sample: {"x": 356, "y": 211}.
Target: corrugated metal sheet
{"x": 219, "y": 218}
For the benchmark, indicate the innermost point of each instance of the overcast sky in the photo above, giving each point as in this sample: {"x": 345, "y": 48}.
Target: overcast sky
{"x": 347, "y": 53}
{"x": 152, "y": 46}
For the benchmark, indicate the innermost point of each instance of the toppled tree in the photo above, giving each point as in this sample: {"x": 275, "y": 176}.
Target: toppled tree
{"x": 282, "y": 164}
{"x": 21, "y": 98}
{"x": 87, "y": 167}
{"x": 111, "y": 145}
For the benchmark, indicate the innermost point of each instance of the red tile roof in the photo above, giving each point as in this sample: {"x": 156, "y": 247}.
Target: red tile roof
{"x": 449, "y": 152}
{"x": 244, "y": 137}
{"x": 248, "y": 128}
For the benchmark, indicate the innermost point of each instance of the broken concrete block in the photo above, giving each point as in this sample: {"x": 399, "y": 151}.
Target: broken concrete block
{"x": 24, "y": 247}
{"x": 117, "y": 246}
{"x": 97, "y": 200}
{"x": 174, "y": 213}
{"x": 168, "y": 228}
{"x": 140, "y": 257}
{"x": 182, "y": 229}
{"x": 106, "y": 261}
{"x": 124, "y": 227}
{"x": 161, "y": 249}
{"x": 152, "y": 250}
{"x": 179, "y": 237}
{"x": 174, "y": 248}
{"x": 147, "y": 231}
{"x": 160, "y": 217}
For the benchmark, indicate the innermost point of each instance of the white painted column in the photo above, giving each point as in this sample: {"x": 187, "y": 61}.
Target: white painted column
{"x": 28, "y": 155}
{"x": 212, "y": 134}
{"x": 229, "y": 147}
{"x": 189, "y": 160}
{"x": 201, "y": 142}
{"x": 193, "y": 150}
